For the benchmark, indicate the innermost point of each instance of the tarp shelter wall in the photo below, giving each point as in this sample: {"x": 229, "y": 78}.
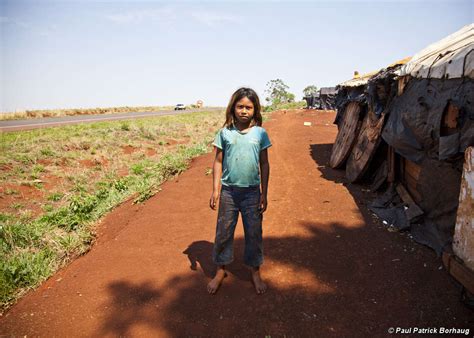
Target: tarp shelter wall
{"x": 324, "y": 98}
{"x": 313, "y": 101}
{"x": 327, "y": 97}
{"x": 431, "y": 124}
{"x": 379, "y": 92}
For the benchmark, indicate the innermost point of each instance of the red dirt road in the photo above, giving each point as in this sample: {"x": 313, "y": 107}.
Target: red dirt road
{"x": 332, "y": 269}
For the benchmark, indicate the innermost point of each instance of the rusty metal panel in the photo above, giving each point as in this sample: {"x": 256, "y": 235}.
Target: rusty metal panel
{"x": 463, "y": 243}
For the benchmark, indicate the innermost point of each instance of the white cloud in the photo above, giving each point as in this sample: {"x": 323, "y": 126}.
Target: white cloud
{"x": 213, "y": 18}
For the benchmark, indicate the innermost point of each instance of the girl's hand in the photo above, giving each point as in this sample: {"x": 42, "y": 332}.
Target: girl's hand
{"x": 214, "y": 199}
{"x": 263, "y": 204}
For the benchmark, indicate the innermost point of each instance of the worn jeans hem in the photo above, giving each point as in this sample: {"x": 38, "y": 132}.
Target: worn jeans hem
{"x": 254, "y": 265}
{"x": 225, "y": 263}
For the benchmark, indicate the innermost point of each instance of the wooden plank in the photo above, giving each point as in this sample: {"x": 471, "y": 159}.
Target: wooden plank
{"x": 365, "y": 147}
{"x": 449, "y": 121}
{"x": 451, "y": 117}
{"x": 411, "y": 185}
{"x": 459, "y": 271}
{"x": 380, "y": 176}
{"x": 412, "y": 169}
{"x": 413, "y": 210}
{"x": 411, "y": 173}
{"x": 391, "y": 165}
{"x": 402, "y": 82}
{"x": 346, "y": 136}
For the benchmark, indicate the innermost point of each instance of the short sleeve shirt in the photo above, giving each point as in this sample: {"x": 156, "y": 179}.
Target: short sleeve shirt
{"x": 241, "y": 155}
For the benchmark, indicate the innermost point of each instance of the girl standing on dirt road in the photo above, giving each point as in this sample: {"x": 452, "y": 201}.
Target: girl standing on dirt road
{"x": 241, "y": 165}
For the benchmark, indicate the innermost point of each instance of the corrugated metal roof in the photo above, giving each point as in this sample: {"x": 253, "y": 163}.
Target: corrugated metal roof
{"x": 451, "y": 57}
{"x": 358, "y": 81}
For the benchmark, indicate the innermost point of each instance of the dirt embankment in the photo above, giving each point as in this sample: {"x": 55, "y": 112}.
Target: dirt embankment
{"x": 332, "y": 269}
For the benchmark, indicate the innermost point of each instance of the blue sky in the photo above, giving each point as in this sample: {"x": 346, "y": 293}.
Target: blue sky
{"x": 80, "y": 54}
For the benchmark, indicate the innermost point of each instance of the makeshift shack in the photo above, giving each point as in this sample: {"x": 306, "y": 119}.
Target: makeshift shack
{"x": 327, "y": 98}
{"x": 323, "y": 99}
{"x": 312, "y": 101}
{"x": 430, "y": 125}
{"x": 422, "y": 112}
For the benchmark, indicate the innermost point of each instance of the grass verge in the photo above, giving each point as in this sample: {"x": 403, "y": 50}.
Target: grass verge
{"x": 32, "y": 114}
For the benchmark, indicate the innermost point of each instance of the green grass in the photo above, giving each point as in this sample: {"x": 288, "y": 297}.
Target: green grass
{"x": 55, "y": 197}
{"x": 290, "y": 105}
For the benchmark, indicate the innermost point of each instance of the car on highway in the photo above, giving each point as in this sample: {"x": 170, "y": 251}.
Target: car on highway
{"x": 180, "y": 106}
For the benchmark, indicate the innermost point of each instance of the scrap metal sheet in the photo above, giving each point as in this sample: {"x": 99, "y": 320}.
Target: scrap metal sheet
{"x": 463, "y": 244}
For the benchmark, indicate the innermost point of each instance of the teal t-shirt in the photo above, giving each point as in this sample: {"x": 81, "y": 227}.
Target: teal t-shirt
{"x": 241, "y": 155}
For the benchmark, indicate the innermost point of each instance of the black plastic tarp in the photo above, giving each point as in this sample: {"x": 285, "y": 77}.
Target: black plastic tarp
{"x": 414, "y": 123}
{"x": 327, "y": 98}
{"x": 313, "y": 101}
{"x": 414, "y": 130}
{"x": 346, "y": 95}
{"x": 381, "y": 88}
{"x": 439, "y": 203}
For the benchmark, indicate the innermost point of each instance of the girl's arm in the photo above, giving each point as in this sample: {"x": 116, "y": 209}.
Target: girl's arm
{"x": 265, "y": 174}
{"x": 216, "y": 177}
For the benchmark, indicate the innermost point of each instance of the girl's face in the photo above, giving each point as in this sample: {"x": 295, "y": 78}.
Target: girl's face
{"x": 244, "y": 110}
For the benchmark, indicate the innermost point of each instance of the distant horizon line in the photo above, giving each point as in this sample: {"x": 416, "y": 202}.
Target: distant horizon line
{"x": 102, "y": 107}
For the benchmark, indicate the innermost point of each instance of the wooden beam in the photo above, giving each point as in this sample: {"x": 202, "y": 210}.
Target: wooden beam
{"x": 459, "y": 271}
{"x": 391, "y": 165}
{"x": 402, "y": 81}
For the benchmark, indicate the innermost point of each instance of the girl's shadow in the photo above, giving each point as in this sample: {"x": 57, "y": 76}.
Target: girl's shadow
{"x": 201, "y": 252}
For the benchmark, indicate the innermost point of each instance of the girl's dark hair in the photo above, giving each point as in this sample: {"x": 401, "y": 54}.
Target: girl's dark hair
{"x": 237, "y": 96}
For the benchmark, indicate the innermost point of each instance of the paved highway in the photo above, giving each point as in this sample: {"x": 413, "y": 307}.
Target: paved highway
{"x": 57, "y": 121}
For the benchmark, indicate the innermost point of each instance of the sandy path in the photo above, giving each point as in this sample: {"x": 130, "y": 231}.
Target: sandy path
{"x": 332, "y": 270}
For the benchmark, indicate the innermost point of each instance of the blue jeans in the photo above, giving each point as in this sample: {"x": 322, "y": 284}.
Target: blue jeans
{"x": 233, "y": 200}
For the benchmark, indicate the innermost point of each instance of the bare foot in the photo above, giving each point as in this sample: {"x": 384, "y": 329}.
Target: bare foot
{"x": 260, "y": 286}
{"x": 214, "y": 284}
